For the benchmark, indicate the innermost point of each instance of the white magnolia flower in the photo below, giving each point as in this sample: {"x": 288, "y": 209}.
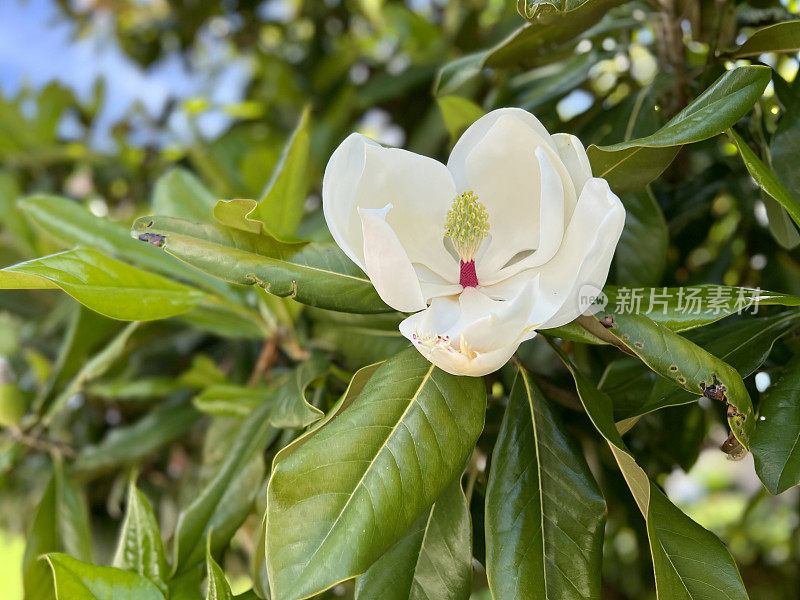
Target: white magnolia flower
{"x": 489, "y": 248}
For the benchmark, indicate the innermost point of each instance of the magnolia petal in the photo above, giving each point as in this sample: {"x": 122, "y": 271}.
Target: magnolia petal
{"x": 363, "y": 174}
{"x": 575, "y": 159}
{"x": 550, "y": 224}
{"x": 457, "y": 163}
{"x": 584, "y": 257}
{"x": 502, "y": 169}
{"x": 387, "y": 264}
{"x": 471, "y": 334}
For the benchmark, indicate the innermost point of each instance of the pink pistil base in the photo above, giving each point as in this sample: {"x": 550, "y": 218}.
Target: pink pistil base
{"x": 468, "y": 278}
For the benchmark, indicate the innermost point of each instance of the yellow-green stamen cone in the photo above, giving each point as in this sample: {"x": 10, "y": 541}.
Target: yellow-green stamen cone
{"x": 467, "y": 224}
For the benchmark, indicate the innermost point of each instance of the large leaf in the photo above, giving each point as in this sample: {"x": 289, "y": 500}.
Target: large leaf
{"x": 105, "y": 285}
{"x": 685, "y": 308}
{"x": 139, "y": 547}
{"x": 433, "y": 560}
{"x": 225, "y": 501}
{"x": 360, "y": 339}
{"x": 280, "y": 208}
{"x": 178, "y": 193}
{"x": 339, "y": 500}
{"x": 551, "y": 22}
{"x": 776, "y": 443}
{"x": 630, "y": 165}
{"x": 641, "y": 254}
{"x": 544, "y": 512}
{"x": 689, "y": 562}
{"x": 73, "y": 225}
{"x": 688, "y": 365}
{"x": 316, "y": 274}
{"x": 779, "y": 37}
{"x": 785, "y": 144}
{"x": 744, "y": 345}
{"x": 765, "y": 178}
{"x": 60, "y": 524}
{"x": 77, "y": 580}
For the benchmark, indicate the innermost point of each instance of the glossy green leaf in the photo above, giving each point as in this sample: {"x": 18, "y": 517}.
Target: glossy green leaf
{"x": 785, "y": 144}
{"x": 60, "y": 524}
{"x": 689, "y": 562}
{"x": 74, "y": 225}
{"x": 433, "y": 559}
{"x": 139, "y": 547}
{"x": 339, "y": 500}
{"x": 551, "y": 22}
{"x": 225, "y": 501}
{"x": 105, "y": 285}
{"x": 217, "y": 587}
{"x": 77, "y": 580}
{"x": 765, "y": 178}
{"x": 233, "y": 213}
{"x": 316, "y": 274}
{"x": 686, "y": 364}
{"x": 457, "y": 73}
{"x": 544, "y": 511}
{"x": 178, "y": 193}
{"x": 744, "y": 345}
{"x": 280, "y": 208}
{"x": 131, "y": 443}
{"x": 778, "y": 37}
{"x": 776, "y": 443}
{"x": 641, "y": 253}
{"x": 290, "y": 407}
{"x": 629, "y": 166}
{"x": 360, "y": 339}
{"x": 458, "y": 114}
{"x": 685, "y": 308}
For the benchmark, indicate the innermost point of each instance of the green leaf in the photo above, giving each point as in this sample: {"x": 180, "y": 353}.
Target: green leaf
{"x": 629, "y": 166}
{"x": 744, "y": 345}
{"x": 778, "y": 37}
{"x": 280, "y": 208}
{"x": 544, "y": 512}
{"x": 178, "y": 193}
{"x": 765, "y": 178}
{"x": 456, "y": 73}
{"x": 139, "y": 547}
{"x": 689, "y": 562}
{"x": 785, "y": 145}
{"x": 73, "y": 225}
{"x": 458, "y": 114}
{"x": 12, "y": 219}
{"x": 290, "y": 407}
{"x": 60, "y": 524}
{"x": 225, "y": 501}
{"x": 432, "y": 560}
{"x": 130, "y": 444}
{"x": 360, "y": 339}
{"x": 551, "y": 22}
{"x": 641, "y": 254}
{"x": 686, "y": 364}
{"x": 105, "y": 285}
{"x": 685, "y": 308}
{"x": 229, "y": 400}
{"x": 368, "y": 474}
{"x": 316, "y": 274}
{"x": 776, "y": 443}
{"x": 233, "y": 213}
{"x": 217, "y": 586}
{"x": 77, "y": 580}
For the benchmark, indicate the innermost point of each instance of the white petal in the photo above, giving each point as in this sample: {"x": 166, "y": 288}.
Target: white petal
{"x": 362, "y": 174}
{"x": 471, "y": 334}
{"x": 550, "y": 225}
{"x": 387, "y": 264}
{"x": 584, "y": 257}
{"x": 476, "y": 132}
{"x": 573, "y": 155}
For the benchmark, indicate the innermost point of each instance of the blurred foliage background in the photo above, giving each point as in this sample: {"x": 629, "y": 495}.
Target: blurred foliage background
{"x": 100, "y": 98}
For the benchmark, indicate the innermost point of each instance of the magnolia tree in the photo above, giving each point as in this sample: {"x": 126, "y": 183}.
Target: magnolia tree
{"x": 458, "y": 370}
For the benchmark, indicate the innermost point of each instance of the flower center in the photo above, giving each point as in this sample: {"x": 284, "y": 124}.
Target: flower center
{"x": 467, "y": 224}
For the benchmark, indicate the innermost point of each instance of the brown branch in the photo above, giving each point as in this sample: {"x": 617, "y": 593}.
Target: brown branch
{"x": 266, "y": 359}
